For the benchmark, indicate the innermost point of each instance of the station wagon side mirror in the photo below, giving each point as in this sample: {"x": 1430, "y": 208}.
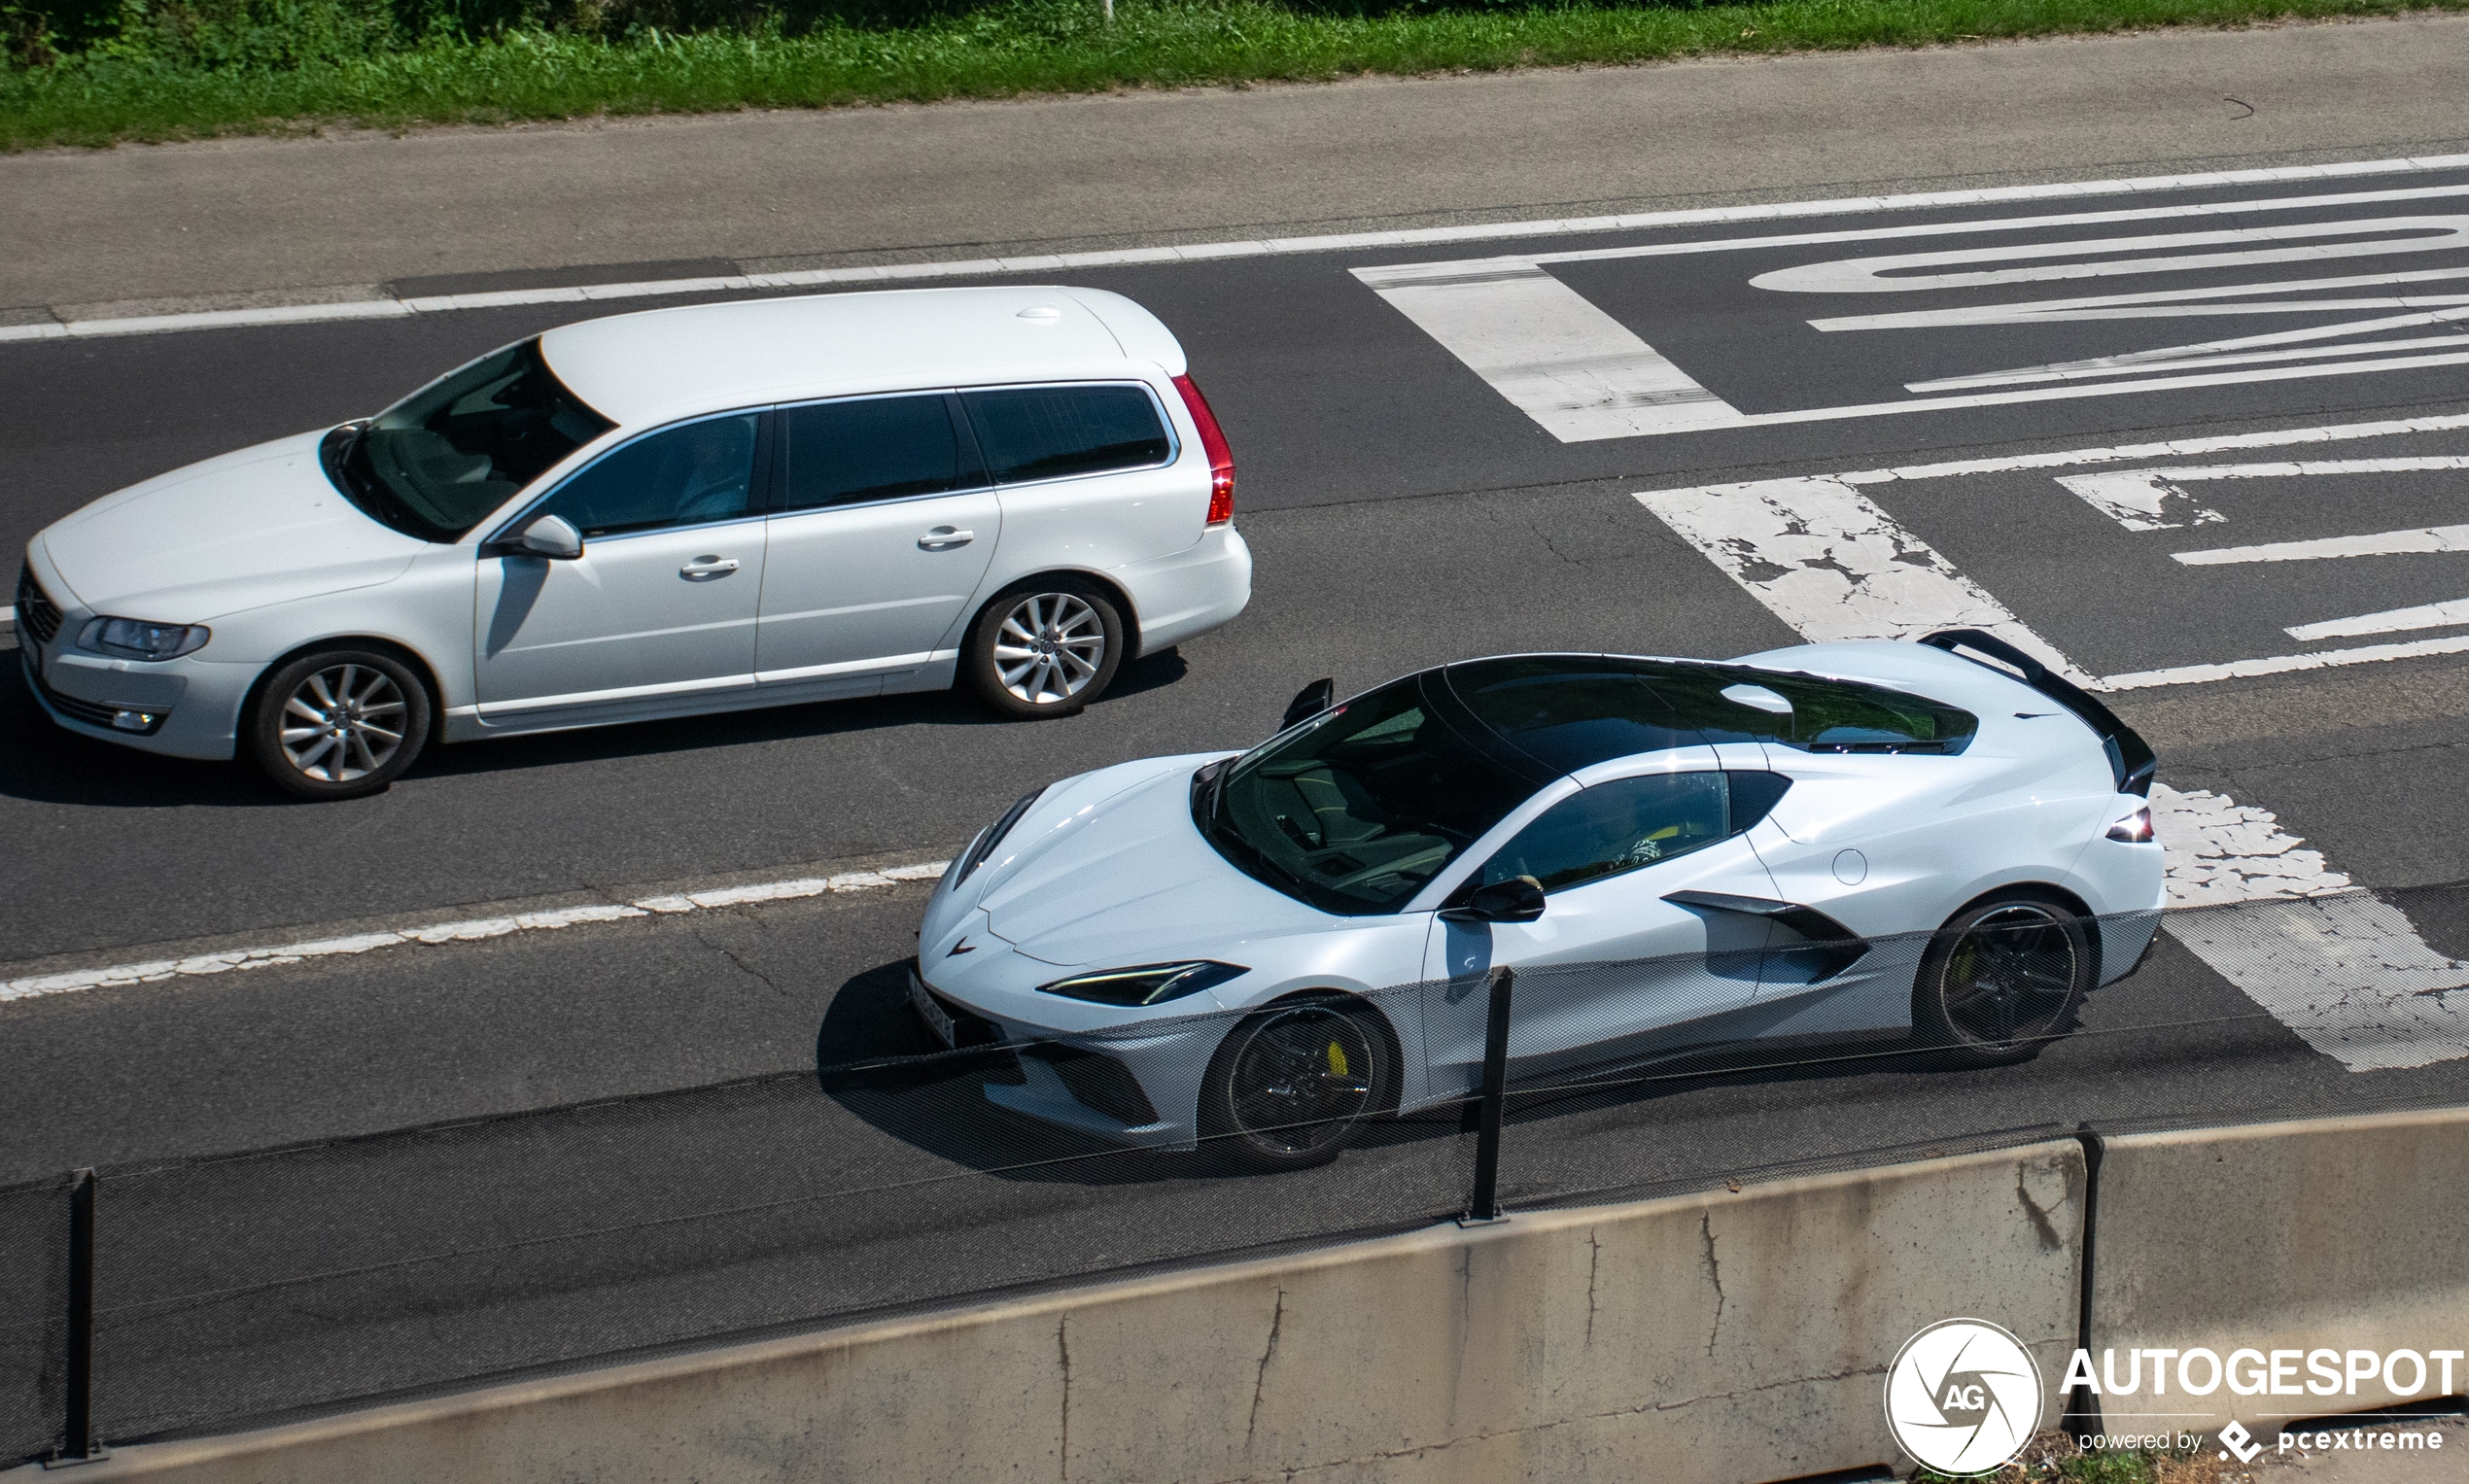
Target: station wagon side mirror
{"x": 553, "y": 536}
{"x": 1516, "y": 900}
{"x": 1311, "y": 702}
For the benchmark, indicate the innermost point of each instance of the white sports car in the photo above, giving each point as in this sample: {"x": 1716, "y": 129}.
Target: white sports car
{"x": 1835, "y": 841}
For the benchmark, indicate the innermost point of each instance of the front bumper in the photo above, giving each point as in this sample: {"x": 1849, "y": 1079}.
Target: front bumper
{"x": 180, "y": 708}
{"x": 1140, "y": 1087}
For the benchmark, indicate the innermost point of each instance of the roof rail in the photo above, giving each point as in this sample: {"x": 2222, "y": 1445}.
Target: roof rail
{"x": 2131, "y": 759}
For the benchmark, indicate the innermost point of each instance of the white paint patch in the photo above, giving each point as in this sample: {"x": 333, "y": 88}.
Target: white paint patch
{"x": 896, "y": 273}
{"x": 2380, "y": 543}
{"x": 2347, "y": 972}
{"x": 2141, "y": 499}
{"x": 1826, "y": 560}
{"x": 2222, "y": 851}
{"x": 2425, "y": 615}
{"x": 464, "y": 930}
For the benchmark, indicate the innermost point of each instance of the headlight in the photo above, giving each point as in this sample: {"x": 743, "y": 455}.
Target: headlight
{"x": 984, "y": 845}
{"x": 134, "y": 639}
{"x": 1148, "y": 984}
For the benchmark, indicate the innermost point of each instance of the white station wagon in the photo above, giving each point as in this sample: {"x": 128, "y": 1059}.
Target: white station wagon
{"x": 684, "y": 510}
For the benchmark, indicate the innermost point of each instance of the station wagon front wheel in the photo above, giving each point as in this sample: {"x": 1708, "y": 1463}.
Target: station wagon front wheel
{"x": 338, "y": 723}
{"x": 1044, "y": 648}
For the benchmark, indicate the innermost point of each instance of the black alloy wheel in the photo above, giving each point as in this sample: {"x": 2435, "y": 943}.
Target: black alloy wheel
{"x": 1291, "y": 1083}
{"x": 2002, "y": 978}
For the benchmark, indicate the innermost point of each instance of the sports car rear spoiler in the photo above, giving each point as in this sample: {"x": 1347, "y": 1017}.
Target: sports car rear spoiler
{"x": 2131, "y": 758}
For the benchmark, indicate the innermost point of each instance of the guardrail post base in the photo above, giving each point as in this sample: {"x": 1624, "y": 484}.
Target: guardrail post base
{"x": 77, "y": 1381}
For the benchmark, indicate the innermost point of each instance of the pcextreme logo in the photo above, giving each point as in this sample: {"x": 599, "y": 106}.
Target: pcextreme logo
{"x": 1964, "y": 1396}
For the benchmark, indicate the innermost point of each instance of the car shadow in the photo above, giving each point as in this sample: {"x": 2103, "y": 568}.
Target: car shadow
{"x": 42, "y": 763}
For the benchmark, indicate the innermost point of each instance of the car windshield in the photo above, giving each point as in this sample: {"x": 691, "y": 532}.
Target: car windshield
{"x": 437, "y": 463}
{"x": 1355, "y": 812}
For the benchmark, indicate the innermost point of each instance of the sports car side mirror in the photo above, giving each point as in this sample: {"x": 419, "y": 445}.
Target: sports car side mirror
{"x": 1516, "y": 900}
{"x": 1311, "y": 702}
{"x": 553, "y": 536}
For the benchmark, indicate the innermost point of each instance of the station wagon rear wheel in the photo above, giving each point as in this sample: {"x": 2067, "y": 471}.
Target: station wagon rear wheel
{"x": 1044, "y": 648}
{"x": 338, "y": 723}
{"x": 2002, "y": 978}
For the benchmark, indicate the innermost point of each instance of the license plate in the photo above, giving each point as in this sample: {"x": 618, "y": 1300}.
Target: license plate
{"x": 937, "y": 1019}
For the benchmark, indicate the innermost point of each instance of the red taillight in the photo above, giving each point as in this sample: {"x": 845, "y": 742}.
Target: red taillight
{"x": 1213, "y": 444}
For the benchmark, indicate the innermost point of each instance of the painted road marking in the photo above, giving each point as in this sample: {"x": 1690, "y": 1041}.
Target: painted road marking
{"x": 1582, "y": 378}
{"x": 2346, "y": 972}
{"x": 461, "y": 930}
{"x": 1826, "y": 560}
{"x": 2150, "y": 500}
{"x": 2424, "y": 616}
{"x": 2382, "y": 543}
{"x": 346, "y": 308}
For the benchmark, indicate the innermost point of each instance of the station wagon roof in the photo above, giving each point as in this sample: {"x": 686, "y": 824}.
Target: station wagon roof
{"x": 661, "y": 365}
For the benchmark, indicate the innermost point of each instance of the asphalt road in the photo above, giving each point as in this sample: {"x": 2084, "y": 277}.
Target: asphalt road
{"x": 1405, "y": 506}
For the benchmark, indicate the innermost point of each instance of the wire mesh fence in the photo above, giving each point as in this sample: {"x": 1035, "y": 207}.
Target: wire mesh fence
{"x": 270, "y": 1283}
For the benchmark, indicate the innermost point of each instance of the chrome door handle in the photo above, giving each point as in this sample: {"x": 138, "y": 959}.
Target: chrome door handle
{"x": 707, "y": 567}
{"x": 945, "y": 537}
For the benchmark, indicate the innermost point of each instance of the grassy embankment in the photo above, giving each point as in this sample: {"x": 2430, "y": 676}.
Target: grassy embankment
{"x": 159, "y": 69}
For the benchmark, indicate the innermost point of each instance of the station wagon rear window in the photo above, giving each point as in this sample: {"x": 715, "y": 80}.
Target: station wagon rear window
{"x": 1052, "y": 433}
{"x": 437, "y": 463}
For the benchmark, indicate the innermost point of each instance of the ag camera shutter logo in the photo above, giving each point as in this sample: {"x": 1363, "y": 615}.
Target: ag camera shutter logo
{"x": 1964, "y": 1396}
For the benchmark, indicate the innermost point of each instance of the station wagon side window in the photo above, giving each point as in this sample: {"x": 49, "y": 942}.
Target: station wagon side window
{"x": 686, "y": 476}
{"x": 845, "y": 453}
{"x": 1616, "y": 826}
{"x": 1055, "y": 432}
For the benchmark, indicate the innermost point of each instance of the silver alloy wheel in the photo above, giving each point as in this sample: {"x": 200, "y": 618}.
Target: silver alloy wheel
{"x": 1049, "y": 647}
{"x": 343, "y": 722}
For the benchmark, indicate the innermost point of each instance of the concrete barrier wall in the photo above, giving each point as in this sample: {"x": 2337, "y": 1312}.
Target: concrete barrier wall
{"x": 1694, "y": 1340}
{"x": 2334, "y": 1233}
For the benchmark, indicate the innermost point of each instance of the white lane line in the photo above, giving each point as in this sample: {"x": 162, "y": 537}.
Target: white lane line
{"x": 2346, "y": 971}
{"x": 1826, "y": 560}
{"x": 2424, "y": 616}
{"x": 2284, "y": 664}
{"x": 896, "y": 273}
{"x": 464, "y": 930}
{"x": 2380, "y": 543}
{"x": 2175, "y": 448}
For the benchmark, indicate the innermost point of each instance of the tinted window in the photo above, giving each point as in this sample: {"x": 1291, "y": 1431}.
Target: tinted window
{"x": 680, "y": 477}
{"x": 880, "y": 448}
{"x": 1356, "y": 813}
{"x": 1615, "y": 827}
{"x": 1826, "y": 715}
{"x": 437, "y": 463}
{"x": 1046, "y": 433}
{"x": 1568, "y": 713}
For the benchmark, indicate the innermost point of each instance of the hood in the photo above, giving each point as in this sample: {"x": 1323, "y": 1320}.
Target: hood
{"x": 258, "y": 527}
{"x": 1128, "y": 880}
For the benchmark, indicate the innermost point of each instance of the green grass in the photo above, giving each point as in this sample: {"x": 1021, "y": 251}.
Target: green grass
{"x": 297, "y": 65}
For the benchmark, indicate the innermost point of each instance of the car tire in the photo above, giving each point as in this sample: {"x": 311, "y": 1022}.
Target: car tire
{"x": 1292, "y": 1084}
{"x": 1045, "y": 647}
{"x": 338, "y": 723}
{"x": 2001, "y": 978}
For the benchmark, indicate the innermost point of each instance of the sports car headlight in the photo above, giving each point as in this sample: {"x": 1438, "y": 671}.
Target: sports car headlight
{"x": 134, "y": 639}
{"x": 1148, "y": 984}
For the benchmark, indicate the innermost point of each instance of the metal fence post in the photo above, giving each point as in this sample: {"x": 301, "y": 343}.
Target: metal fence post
{"x": 1485, "y": 1206}
{"x": 77, "y": 1433}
